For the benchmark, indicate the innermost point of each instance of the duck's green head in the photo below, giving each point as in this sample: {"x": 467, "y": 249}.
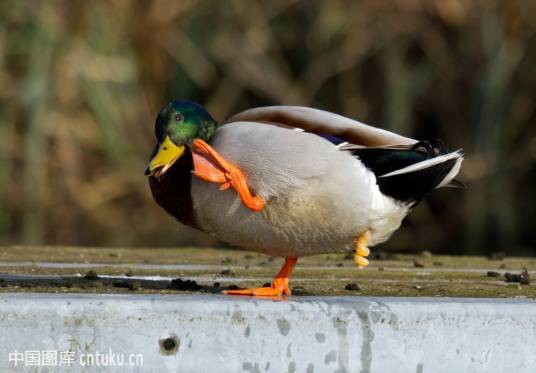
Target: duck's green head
{"x": 177, "y": 125}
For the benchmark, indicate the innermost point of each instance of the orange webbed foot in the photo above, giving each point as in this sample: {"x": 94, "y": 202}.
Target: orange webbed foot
{"x": 209, "y": 165}
{"x": 260, "y": 292}
{"x": 279, "y": 285}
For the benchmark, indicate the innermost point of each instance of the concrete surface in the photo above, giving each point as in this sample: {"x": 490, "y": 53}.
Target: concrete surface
{"x": 214, "y": 333}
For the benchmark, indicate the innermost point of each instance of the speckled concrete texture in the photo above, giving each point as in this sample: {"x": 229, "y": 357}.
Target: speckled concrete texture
{"x": 215, "y": 333}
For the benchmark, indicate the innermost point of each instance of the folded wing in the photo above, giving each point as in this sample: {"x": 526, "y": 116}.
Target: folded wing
{"x": 405, "y": 169}
{"x": 322, "y": 122}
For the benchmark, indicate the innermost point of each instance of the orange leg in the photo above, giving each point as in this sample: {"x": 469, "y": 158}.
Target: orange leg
{"x": 362, "y": 250}
{"x": 211, "y": 166}
{"x": 279, "y": 285}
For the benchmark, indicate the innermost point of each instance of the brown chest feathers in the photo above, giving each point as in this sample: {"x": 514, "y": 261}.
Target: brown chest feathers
{"x": 172, "y": 191}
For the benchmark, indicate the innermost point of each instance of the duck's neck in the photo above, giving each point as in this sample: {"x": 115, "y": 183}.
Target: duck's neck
{"x": 172, "y": 191}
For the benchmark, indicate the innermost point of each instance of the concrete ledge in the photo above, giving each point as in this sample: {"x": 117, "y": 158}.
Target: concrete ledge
{"x": 304, "y": 334}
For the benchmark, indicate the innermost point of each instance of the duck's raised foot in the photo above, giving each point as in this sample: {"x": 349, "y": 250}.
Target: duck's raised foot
{"x": 211, "y": 166}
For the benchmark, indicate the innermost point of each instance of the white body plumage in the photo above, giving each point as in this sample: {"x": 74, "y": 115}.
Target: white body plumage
{"x": 319, "y": 199}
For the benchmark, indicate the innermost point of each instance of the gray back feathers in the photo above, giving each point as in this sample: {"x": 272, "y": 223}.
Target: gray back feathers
{"x": 320, "y": 121}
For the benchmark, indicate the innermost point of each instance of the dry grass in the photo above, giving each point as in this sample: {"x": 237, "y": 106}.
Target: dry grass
{"x": 82, "y": 81}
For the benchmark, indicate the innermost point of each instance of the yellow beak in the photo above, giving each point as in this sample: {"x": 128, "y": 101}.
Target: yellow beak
{"x": 166, "y": 155}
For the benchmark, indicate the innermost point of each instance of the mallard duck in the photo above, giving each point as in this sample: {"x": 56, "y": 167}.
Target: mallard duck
{"x": 291, "y": 181}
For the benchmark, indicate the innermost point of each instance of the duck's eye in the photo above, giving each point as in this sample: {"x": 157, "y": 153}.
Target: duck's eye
{"x": 178, "y": 117}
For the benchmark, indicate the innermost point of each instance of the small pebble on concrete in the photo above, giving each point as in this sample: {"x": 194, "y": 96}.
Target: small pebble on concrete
{"x": 91, "y": 275}
{"x": 522, "y": 278}
{"x": 417, "y": 263}
{"x": 179, "y": 284}
{"x": 352, "y": 287}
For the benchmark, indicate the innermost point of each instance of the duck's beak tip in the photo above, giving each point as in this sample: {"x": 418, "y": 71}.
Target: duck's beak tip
{"x": 164, "y": 155}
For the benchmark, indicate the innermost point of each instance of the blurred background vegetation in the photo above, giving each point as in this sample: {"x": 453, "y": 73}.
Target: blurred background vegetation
{"x": 81, "y": 83}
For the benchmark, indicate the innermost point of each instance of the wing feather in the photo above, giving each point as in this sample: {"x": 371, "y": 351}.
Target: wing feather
{"x": 320, "y": 121}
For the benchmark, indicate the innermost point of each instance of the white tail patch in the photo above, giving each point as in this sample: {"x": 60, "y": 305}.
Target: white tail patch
{"x": 453, "y": 171}
{"x": 433, "y": 162}
{"x": 342, "y": 145}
